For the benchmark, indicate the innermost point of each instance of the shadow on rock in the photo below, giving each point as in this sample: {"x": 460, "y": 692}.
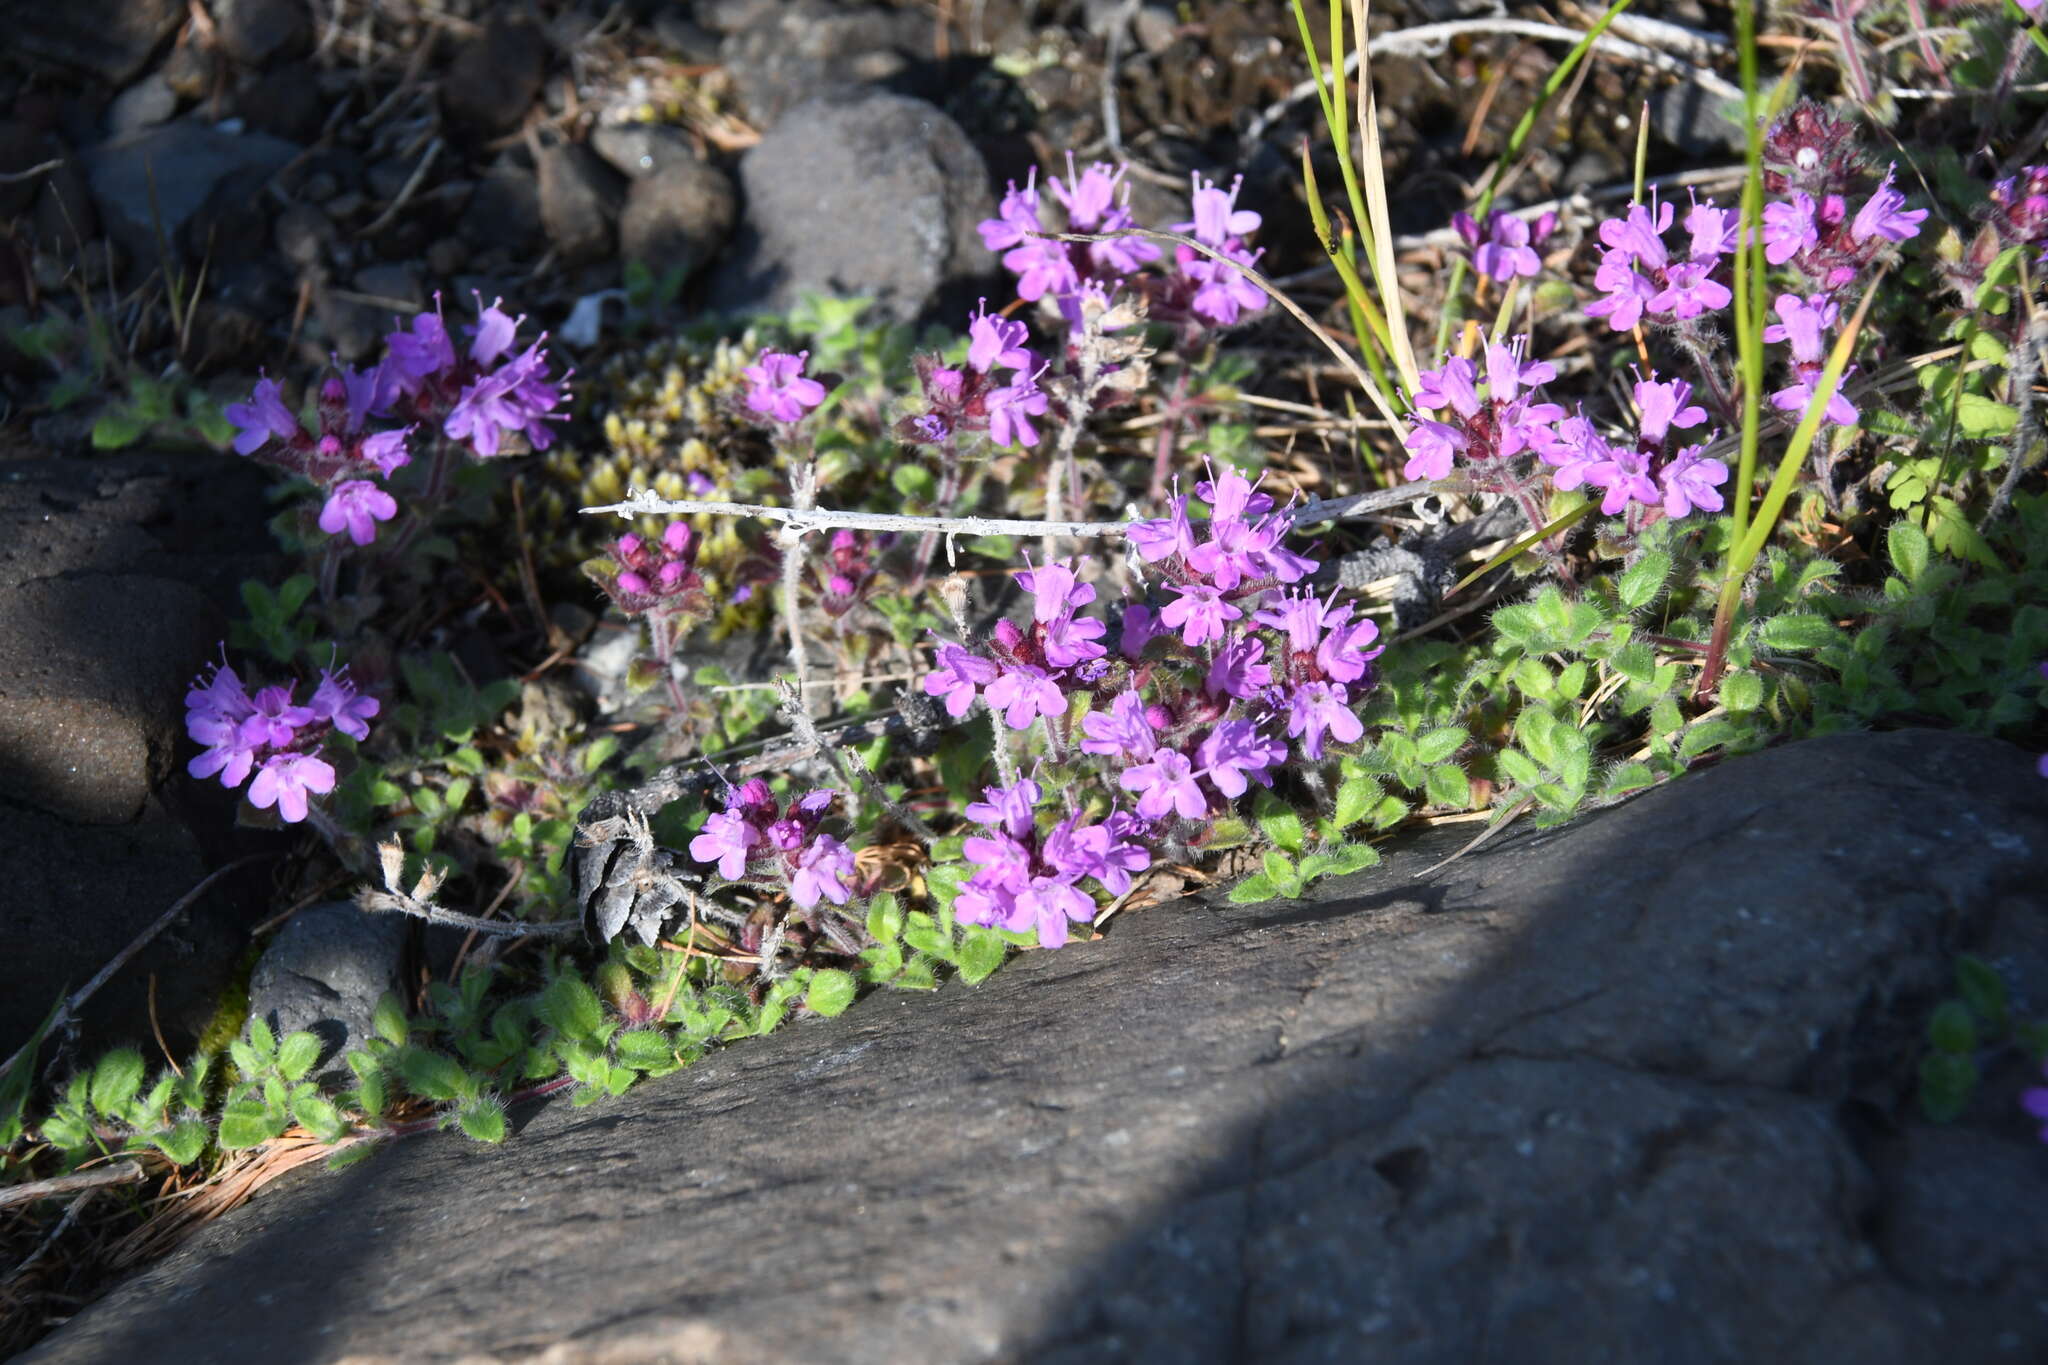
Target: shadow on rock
{"x": 1637, "y": 1089}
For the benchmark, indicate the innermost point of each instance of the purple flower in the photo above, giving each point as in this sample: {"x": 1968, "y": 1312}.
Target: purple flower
{"x": 1302, "y": 616}
{"x": 220, "y": 697}
{"x": 1236, "y": 752}
{"x": 959, "y": 673}
{"x": 1507, "y": 248}
{"x": 1238, "y": 669}
{"x": 1016, "y": 217}
{"x": 1124, "y": 729}
{"x": 1055, "y": 591}
{"x": 357, "y": 505}
{"x": 1343, "y": 654}
{"x": 777, "y": 388}
{"x": 285, "y": 780}
{"x": 1198, "y": 613}
{"x": 1008, "y": 808}
{"x": 1010, "y": 409}
{"x": 1576, "y": 448}
{"x": 386, "y": 450}
{"x": 1431, "y": 445}
{"x": 1884, "y": 215}
{"x": 1319, "y": 708}
{"x": 2035, "y": 1102}
{"x": 1789, "y": 228}
{"x": 1665, "y": 404}
{"x": 1167, "y": 536}
{"x": 822, "y": 870}
{"x": 1140, "y": 627}
{"x": 1801, "y": 323}
{"x": 1217, "y": 216}
{"x": 414, "y": 357}
{"x": 1638, "y": 275}
{"x": 1692, "y": 482}
{"x": 514, "y": 399}
{"x": 1023, "y": 693}
{"x": 1625, "y": 474}
{"x": 1167, "y": 783}
{"x": 997, "y": 342}
{"x": 1068, "y": 640}
{"x": 1454, "y": 385}
{"x": 491, "y": 335}
{"x": 226, "y": 752}
{"x": 337, "y": 702}
{"x": 273, "y": 719}
{"x": 726, "y": 840}
{"x": 261, "y": 418}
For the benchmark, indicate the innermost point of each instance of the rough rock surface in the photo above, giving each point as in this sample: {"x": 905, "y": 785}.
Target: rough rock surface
{"x": 789, "y": 53}
{"x": 110, "y": 39}
{"x": 873, "y": 194}
{"x": 1634, "y": 1090}
{"x": 188, "y": 159}
{"x": 324, "y": 972}
{"x": 115, "y": 576}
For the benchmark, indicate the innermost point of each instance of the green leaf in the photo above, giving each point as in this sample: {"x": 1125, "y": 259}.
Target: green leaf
{"x": 1340, "y": 861}
{"x": 1629, "y": 777}
{"x": 318, "y": 1117}
{"x": 263, "y": 1041}
{"x": 1519, "y": 767}
{"x": 119, "y": 427}
{"x": 1799, "y": 631}
{"x": 433, "y": 1075}
{"x": 116, "y": 1080}
{"x": 1280, "y": 824}
{"x": 296, "y": 1055}
{"x": 1640, "y": 583}
{"x": 981, "y": 952}
{"x": 1280, "y": 871}
{"x": 885, "y": 918}
{"x": 1355, "y": 796}
{"x": 1982, "y": 989}
{"x": 1448, "y": 786}
{"x": 1665, "y": 716}
{"x": 482, "y": 1120}
{"x": 183, "y": 1143}
{"x": 1952, "y": 1028}
{"x": 388, "y": 1020}
{"x": 1707, "y": 735}
{"x": 248, "y": 1123}
{"x": 570, "y": 1007}
{"x": 643, "y": 1049}
{"x": 1907, "y": 546}
{"x": 1984, "y": 419}
{"x": 1742, "y": 691}
{"x": 831, "y": 991}
{"x": 1435, "y": 746}
{"x": 1254, "y": 889}
{"x": 1946, "y": 1085}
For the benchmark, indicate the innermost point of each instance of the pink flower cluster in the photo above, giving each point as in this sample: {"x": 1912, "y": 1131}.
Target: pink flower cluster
{"x": 777, "y": 387}
{"x": 1506, "y": 248}
{"x": 1236, "y": 676}
{"x": 477, "y": 399}
{"x": 1199, "y": 290}
{"x": 1489, "y": 416}
{"x": 754, "y": 840}
{"x": 652, "y": 575}
{"x": 1025, "y": 879}
{"x": 272, "y": 736}
{"x": 980, "y": 397}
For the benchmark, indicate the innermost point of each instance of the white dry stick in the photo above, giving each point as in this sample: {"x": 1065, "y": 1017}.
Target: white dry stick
{"x": 803, "y": 490}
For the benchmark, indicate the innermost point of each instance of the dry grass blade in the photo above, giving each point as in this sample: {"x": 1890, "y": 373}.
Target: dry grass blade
{"x": 239, "y": 1177}
{"x": 1375, "y": 183}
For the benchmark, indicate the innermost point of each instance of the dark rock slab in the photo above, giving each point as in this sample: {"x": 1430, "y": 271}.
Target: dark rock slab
{"x": 110, "y": 39}
{"x": 257, "y": 33}
{"x": 677, "y": 216}
{"x": 1634, "y": 1090}
{"x": 115, "y": 581}
{"x": 580, "y": 197}
{"x": 870, "y": 193}
{"x": 495, "y": 78}
{"x": 189, "y": 161}
{"x": 789, "y": 53}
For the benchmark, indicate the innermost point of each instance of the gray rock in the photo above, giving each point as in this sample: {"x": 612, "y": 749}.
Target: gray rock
{"x": 114, "y": 579}
{"x": 678, "y": 217}
{"x": 189, "y": 160}
{"x": 257, "y": 33}
{"x": 872, "y": 194}
{"x": 110, "y": 39}
{"x": 504, "y": 211}
{"x": 494, "y": 79}
{"x": 1695, "y": 121}
{"x": 303, "y": 235}
{"x": 284, "y": 102}
{"x": 145, "y": 104}
{"x": 396, "y": 283}
{"x": 641, "y": 149}
{"x": 324, "y": 973}
{"x": 1638, "y": 1089}
{"x": 789, "y": 53}
{"x": 233, "y": 224}
{"x": 579, "y": 203}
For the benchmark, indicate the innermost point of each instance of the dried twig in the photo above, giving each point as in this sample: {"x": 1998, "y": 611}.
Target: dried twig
{"x": 419, "y": 902}
{"x": 78, "y": 1182}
